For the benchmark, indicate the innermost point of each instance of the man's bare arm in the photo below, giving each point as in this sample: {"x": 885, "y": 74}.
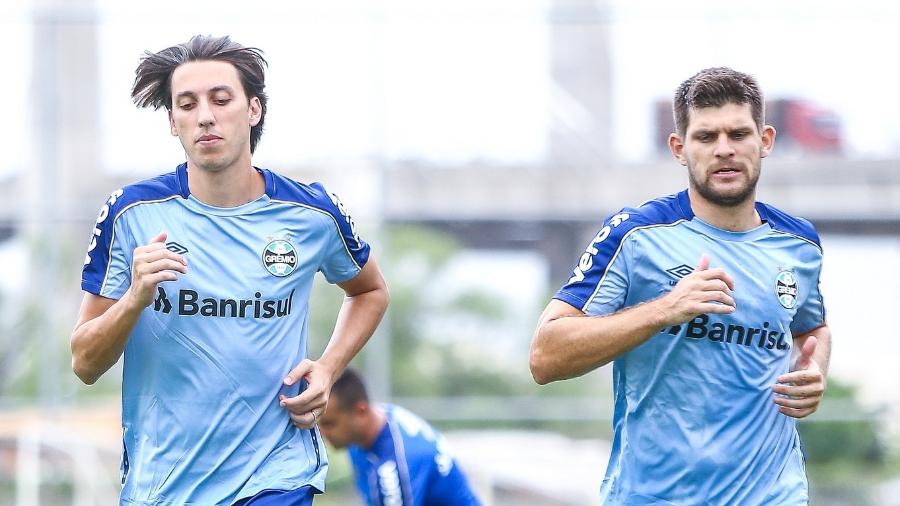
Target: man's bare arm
{"x": 104, "y": 325}
{"x": 567, "y": 343}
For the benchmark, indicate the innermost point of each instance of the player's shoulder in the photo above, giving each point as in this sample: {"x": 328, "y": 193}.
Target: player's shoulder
{"x": 410, "y": 425}
{"x": 785, "y": 223}
{"x": 314, "y": 195}
{"x": 408, "y": 421}
{"x": 156, "y": 189}
{"x": 661, "y": 211}
{"x": 664, "y": 210}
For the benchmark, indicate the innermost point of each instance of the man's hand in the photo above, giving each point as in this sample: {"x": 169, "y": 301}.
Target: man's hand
{"x": 703, "y": 291}
{"x": 151, "y": 265}
{"x": 306, "y": 408}
{"x": 801, "y": 389}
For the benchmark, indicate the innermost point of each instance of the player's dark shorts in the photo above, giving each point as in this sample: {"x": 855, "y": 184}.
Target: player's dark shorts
{"x": 302, "y": 496}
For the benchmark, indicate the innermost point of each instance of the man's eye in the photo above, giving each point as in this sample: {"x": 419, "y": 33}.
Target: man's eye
{"x": 186, "y": 107}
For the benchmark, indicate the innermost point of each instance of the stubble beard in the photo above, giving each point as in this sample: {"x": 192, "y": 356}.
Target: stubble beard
{"x": 724, "y": 199}
{"x": 213, "y": 162}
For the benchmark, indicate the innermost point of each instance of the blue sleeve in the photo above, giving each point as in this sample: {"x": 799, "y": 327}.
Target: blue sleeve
{"x": 447, "y": 484}
{"x": 363, "y": 475}
{"x": 811, "y": 308}
{"x": 347, "y": 252}
{"x": 107, "y": 264}
{"x": 599, "y": 282}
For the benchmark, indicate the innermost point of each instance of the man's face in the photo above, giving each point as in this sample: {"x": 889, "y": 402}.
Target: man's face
{"x": 723, "y": 149}
{"x": 211, "y": 114}
{"x": 339, "y": 426}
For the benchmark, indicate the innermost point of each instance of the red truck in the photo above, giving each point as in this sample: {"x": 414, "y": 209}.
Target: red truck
{"x": 803, "y": 127}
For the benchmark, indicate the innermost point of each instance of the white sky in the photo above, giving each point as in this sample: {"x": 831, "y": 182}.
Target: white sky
{"x": 463, "y": 80}
{"x": 838, "y": 54}
{"x": 862, "y": 315}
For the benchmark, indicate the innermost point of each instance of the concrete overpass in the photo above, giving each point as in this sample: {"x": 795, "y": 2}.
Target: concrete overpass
{"x": 830, "y": 191}
{"x": 550, "y": 210}
{"x": 823, "y": 189}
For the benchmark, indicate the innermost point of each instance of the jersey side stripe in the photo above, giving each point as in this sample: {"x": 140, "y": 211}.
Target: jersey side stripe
{"x": 402, "y": 464}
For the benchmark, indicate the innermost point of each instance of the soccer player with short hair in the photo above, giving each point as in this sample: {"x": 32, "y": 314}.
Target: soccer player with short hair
{"x": 201, "y": 279}
{"x": 708, "y": 304}
{"x": 398, "y": 458}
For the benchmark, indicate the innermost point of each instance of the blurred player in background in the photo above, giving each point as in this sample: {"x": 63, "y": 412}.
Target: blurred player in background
{"x": 708, "y": 304}
{"x": 201, "y": 278}
{"x": 397, "y": 458}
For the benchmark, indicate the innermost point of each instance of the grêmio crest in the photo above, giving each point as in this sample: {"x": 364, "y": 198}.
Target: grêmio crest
{"x": 280, "y": 257}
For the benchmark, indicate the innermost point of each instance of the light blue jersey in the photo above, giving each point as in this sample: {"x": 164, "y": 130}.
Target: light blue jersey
{"x": 409, "y": 465}
{"x": 694, "y": 419}
{"x": 204, "y": 365}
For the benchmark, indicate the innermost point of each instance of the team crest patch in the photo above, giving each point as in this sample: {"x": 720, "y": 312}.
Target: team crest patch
{"x": 786, "y": 289}
{"x": 280, "y": 258}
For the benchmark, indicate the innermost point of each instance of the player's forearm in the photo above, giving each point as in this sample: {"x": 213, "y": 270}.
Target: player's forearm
{"x": 357, "y": 320}
{"x": 573, "y": 345}
{"x": 98, "y": 343}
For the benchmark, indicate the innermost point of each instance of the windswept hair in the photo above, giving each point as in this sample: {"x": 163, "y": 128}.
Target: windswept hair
{"x": 153, "y": 76}
{"x": 715, "y": 87}
{"x": 349, "y": 389}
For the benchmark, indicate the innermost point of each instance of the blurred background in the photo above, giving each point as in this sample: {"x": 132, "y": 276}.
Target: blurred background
{"x": 479, "y": 145}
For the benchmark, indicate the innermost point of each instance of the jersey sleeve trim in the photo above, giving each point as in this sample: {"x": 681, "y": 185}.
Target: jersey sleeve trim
{"x": 595, "y": 263}
{"x": 112, "y": 239}
{"x": 359, "y": 263}
{"x": 316, "y": 198}
{"x": 583, "y": 304}
{"x": 98, "y": 260}
{"x": 790, "y": 225}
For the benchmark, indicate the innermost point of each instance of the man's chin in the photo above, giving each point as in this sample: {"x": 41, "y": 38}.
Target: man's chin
{"x": 210, "y": 163}
{"x": 727, "y": 197}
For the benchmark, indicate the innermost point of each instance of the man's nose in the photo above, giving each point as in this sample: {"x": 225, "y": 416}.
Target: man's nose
{"x": 723, "y": 146}
{"x": 205, "y": 116}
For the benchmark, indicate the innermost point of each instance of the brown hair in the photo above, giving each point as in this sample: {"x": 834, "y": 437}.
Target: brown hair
{"x": 349, "y": 389}
{"x": 153, "y": 76}
{"x": 715, "y": 87}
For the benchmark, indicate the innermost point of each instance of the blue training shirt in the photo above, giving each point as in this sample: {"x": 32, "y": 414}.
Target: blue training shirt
{"x": 204, "y": 365}
{"x": 694, "y": 417}
{"x": 409, "y": 465}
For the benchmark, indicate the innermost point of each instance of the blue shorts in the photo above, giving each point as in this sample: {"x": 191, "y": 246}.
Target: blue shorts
{"x": 302, "y": 496}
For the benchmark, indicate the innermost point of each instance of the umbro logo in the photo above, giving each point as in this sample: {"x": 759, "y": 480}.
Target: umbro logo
{"x": 176, "y": 248}
{"x": 680, "y": 271}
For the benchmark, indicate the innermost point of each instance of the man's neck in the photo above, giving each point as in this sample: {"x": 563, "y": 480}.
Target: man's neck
{"x": 739, "y": 218}
{"x": 374, "y": 426}
{"x": 229, "y": 187}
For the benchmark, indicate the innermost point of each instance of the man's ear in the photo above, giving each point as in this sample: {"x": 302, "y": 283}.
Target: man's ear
{"x": 255, "y": 111}
{"x": 361, "y": 407}
{"x": 172, "y": 124}
{"x": 676, "y": 146}
{"x": 768, "y": 140}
